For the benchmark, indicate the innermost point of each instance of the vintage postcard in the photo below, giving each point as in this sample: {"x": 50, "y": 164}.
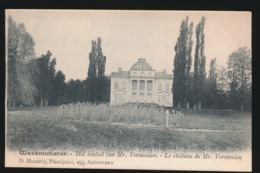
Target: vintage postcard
{"x": 129, "y": 89}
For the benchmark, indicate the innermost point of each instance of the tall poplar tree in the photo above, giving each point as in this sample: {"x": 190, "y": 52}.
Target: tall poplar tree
{"x": 92, "y": 73}
{"x": 188, "y": 77}
{"x": 46, "y": 78}
{"x": 101, "y": 81}
{"x": 211, "y": 93}
{"x": 96, "y": 73}
{"x": 101, "y": 60}
{"x": 199, "y": 65}
{"x": 182, "y": 65}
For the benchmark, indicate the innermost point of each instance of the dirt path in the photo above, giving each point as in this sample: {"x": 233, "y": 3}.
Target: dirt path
{"x": 171, "y": 128}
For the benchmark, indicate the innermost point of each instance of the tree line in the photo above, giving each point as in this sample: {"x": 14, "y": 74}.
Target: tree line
{"x": 222, "y": 88}
{"x": 34, "y": 80}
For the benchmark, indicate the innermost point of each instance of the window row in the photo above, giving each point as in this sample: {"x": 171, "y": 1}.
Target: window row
{"x": 141, "y": 94}
{"x": 141, "y": 97}
{"x": 142, "y": 73}
{"x": 121, "y": 86}
{"x": 120, "y": 97}
{"x": 164, "y": 98}
{"x": 142, "y": 85}
{"x": 160, "y": 87}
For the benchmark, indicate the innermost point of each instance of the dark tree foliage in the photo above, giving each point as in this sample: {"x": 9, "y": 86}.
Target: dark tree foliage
{"x": 101, "y": 60}
{"x": 51, "y": 76}
{"x": 230, "y": 88}
{"x": 96, "y": 79}
{"x": 188, "y": 76}
{"x": 53, "y": 90}
{"x": 222, "y": 98}
{"x": 199, "y": 65}
{"x": 20, "y": 51}
{"x": 211, "y": 93}
{"x": 105, "y": 96}
{"x": 75, "y": 91}
{"x": 182, "y": 80}
{"x": 239, "y": 74}
{"x": 59, "y": 89}
{"x": 101, "y": 79}
{"x": 92, "y": 73}
{"x": 46, "y": 79}
{"x": 92, "y": 69}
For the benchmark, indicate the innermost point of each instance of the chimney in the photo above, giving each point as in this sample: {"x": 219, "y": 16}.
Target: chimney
{"x": 119, "y": 69}
{"x": 141, "y": 60}
{"x": 164, "y": 71}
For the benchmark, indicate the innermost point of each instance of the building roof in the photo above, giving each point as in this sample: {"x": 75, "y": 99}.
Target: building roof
{"x": 162, "y": 75}
{"x": 120, "y": 74}
{"x": 126, "y": 74}
{"x": 141, "y": 65}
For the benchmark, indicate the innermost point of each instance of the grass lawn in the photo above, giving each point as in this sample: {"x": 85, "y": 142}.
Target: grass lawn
{"x": 216, "y": 120}
{"x": 41, "y": 128}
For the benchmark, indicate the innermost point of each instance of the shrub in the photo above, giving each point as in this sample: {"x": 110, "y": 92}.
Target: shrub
{"x": 120, "y": 114}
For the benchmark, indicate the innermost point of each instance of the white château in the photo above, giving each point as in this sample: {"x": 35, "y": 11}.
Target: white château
{"x": 141, "y": 84}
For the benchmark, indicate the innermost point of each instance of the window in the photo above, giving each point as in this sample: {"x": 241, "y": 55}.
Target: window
{"x": 116, "y": 85}
{"x": 124, "y": 85}
{"x": 149, "y": 85}
{"x": 134, "y": 97}
{"x": 167, "y": 99}
{"x": 149, "y": 97}
{"x": 167, "y": 87}
{"x": 142, "y": 73}
{"x": 141, "y": 97}
{"x": 134, "y": 85}
{"x": 159, "y": 86}
{"x": 163, "y": 98}
{"x": 119, "y": 97}
{"x": 142, "y": 85}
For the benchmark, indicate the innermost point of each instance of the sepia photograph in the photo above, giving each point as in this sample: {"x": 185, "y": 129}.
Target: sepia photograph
{"x": 128, "y": 89}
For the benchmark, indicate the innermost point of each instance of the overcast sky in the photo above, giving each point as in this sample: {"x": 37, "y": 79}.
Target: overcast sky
{"x": 129, "y": 35}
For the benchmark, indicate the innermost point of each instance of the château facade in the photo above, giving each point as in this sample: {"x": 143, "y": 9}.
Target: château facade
{"x": 141, "y": 84}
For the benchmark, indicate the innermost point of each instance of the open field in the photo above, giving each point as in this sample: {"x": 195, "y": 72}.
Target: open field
{"x": 43, "y": 128}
